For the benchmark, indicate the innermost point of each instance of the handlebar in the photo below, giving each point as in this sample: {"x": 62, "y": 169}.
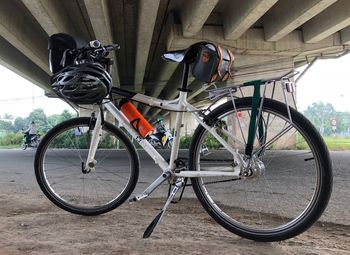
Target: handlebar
{"x": 96, "y": 48}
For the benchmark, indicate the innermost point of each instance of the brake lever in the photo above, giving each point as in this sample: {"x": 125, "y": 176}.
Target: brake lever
{"x": 112, "y": 47}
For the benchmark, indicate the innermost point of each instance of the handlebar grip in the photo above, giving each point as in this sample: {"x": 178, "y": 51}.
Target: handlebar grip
{"x": 112, "y": 47}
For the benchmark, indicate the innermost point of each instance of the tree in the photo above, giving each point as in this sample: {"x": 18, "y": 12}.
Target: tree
{"x": 55, "y": 119}
{"x": 19, "y": 124}
{"x": 6, "y": 125}
{"x": 8, "y": 116}
{"x": 320, "y": 114}
{"x": 40, "y": 119}
{"x": 66, "y": 115}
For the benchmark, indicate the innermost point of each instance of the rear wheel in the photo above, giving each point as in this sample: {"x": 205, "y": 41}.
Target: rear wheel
{"x": 60, "y": 167}
{"x": 287, "y": 185}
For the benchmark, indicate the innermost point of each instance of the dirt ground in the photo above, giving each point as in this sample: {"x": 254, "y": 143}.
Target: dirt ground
{"x": 31, "y": 224}
{"x": 34, "y": 227}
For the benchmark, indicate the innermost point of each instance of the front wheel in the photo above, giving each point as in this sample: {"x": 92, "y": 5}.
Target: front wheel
{"x": 36, "y": 143}
{"x": 60, "y": 167}
{"x": 286, "y": 184}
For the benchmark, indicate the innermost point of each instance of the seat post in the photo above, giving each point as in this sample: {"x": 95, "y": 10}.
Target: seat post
{"x": 186, "y": 69}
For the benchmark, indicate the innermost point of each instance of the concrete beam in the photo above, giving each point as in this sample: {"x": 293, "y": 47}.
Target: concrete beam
{"x": 50, "y": 15}
{"x": 155, "y": 114}
{"x": 99, "y": 17}
{"x": 241, "y": 15}
{"x": 194, "y": 13}
{"x": 345, "y": 35}
{"x": 333, "y": 19}
{"x": 171, "y": 88}
{"x": 16, "y": 61}
{"x": 161, "y": 71}
{"x": 19, "y": 28}
{"x": 167, "y": 70}
{"x": 147, "y": 14}
{"x": 252, "y": 42}
{"x": 77, "y": 14}
{"x": 285, "y": 16}
{"x": 262, "y": 71}
{"x": 197, "y": 87}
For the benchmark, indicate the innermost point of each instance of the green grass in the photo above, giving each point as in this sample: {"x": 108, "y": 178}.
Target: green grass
{"x": 12, "y": 146}
{"x": 333, "y": 143}
{"x": 337, "y": 143}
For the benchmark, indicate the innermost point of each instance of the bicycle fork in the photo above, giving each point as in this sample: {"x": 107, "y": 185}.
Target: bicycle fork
{"x": 95, "y": 139}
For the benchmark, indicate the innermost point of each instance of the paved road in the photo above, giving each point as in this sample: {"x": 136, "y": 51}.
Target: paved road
{"x": 17, "y": 174}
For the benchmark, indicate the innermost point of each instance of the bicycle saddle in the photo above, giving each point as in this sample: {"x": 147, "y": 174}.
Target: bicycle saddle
{"x": 187, "y": 55}
{"x": 175, "y": 56}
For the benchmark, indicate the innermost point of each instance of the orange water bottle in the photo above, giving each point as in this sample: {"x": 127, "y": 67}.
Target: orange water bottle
{"x": 139, "y": 123}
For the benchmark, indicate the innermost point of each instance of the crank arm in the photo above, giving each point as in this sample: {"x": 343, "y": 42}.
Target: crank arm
{"x": 151, "y": 187}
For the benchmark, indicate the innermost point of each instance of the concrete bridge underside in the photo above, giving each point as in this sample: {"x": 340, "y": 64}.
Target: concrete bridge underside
{"x": 268, "y": 37}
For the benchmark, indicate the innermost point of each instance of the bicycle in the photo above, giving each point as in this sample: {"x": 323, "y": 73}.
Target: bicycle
{"x": 245, "y": 179}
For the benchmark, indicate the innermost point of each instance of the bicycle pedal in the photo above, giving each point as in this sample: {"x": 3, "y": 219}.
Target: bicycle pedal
{"x": 137, "y": 198}
{"x": 132, "y": 200}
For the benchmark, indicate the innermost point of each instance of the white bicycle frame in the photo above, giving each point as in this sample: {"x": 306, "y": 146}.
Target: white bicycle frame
{"x": 179, "y": 105}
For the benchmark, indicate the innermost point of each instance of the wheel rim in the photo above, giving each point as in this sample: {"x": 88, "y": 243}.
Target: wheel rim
{"x": 276, "y": 200}
{"x": 63, "y": 175}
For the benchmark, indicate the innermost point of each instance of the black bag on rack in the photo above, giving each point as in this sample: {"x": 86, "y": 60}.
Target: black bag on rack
{"x": 212, "y": 63}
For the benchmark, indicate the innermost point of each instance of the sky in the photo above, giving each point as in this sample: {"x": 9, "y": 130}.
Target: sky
{"x": 19, "y": 97}
{"x": 326, "y": 80}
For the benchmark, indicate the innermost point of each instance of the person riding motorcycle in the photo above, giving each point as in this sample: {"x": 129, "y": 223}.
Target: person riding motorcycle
{"x": 30, "y": 132}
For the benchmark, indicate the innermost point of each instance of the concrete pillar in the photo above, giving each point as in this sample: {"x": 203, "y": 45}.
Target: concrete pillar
{"x": 99, "y": 17}
{"x": 147, "y": 14}
{"x": 345, "y": 35}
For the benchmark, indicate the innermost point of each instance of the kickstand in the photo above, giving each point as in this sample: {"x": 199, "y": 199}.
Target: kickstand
{"x": 178, "y": 185}
{"x": 182, "y": 191}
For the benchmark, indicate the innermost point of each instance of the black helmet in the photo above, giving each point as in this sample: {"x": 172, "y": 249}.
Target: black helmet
{"x": 86, "y": 83}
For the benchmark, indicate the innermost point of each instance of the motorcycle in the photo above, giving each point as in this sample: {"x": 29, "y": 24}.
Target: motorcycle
{"x": 34, "y": 141}
{"x": 162, "y": 138}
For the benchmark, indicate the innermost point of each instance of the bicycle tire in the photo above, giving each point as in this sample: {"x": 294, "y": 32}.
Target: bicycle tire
{"x": 256, "y": 213}
{"x": 94, "y": 193}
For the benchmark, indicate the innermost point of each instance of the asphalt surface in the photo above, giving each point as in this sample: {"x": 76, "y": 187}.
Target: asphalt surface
{"x": 17, "y": 174}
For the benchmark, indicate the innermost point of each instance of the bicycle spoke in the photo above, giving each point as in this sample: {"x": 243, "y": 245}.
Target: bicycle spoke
{"x": 74, "y": 189}
{"x": 283, "y": 170}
